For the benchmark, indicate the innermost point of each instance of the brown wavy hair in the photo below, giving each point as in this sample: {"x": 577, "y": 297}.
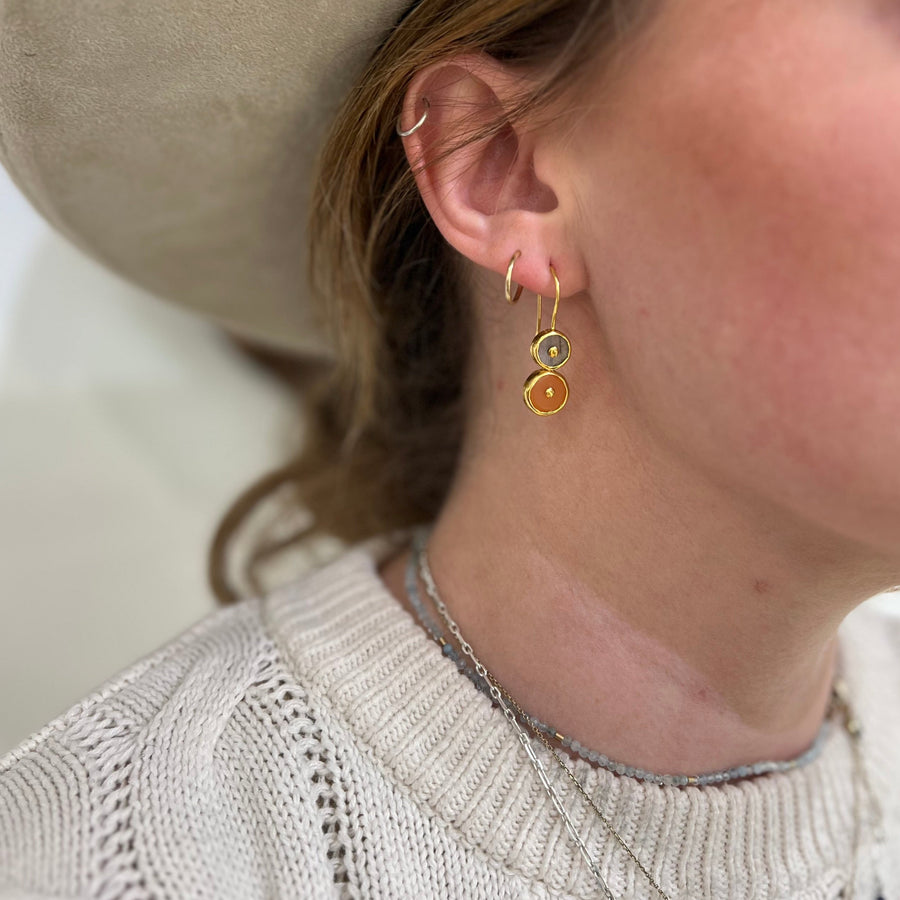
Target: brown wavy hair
{"x": 383, "y": 425}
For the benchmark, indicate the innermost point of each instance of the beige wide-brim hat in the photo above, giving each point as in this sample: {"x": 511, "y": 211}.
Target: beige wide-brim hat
{"x": 174, "y": 141}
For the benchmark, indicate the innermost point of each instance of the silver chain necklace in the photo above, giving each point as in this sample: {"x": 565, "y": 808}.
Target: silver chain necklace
{"x": 514, "y": 713}
{"x": 593, "y": 756}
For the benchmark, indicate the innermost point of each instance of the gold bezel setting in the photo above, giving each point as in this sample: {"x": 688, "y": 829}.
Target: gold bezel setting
{"x": 554, "y": 339}
{"x": 552, "y": 381}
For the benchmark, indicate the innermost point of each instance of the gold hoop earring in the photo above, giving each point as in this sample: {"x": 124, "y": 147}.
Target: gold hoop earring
{"x": 545, "y": 389}
{"x": 509, "y": 271}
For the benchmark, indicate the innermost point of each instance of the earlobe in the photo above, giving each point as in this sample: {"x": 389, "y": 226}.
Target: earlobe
{"x": 490, "y": 184}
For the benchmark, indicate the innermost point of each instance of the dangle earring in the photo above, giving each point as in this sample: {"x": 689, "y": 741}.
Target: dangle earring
{"x": 545, "y": 390}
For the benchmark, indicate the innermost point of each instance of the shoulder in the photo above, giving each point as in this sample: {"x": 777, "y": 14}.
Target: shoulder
{"x": 871, "y": 633}
{"x": 869, "y": 657}
{"x": 204, "y": 763}
{"x": 75, "y": 796}
{"x": 132, "y": 697}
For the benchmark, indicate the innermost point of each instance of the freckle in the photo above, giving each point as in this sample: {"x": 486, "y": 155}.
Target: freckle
{"x": 761, "y": 587}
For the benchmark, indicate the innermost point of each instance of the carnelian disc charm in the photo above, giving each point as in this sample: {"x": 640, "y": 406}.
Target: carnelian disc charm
{"x": 546, "y": 392}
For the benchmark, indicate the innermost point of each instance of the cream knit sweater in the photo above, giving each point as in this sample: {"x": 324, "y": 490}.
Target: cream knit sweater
{"x": 315, "y": 743}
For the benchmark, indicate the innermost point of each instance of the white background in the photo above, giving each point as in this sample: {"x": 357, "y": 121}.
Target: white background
{"x": 127, "y": 425}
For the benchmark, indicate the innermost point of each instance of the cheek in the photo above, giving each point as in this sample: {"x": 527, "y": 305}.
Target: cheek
{"x": 798, "y": 236}
{"x": 756, "y": 227}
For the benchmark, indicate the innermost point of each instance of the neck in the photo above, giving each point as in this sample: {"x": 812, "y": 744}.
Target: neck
{"x": 680, "y": 629}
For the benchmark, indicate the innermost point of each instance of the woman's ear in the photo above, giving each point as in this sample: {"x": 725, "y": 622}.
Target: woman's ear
{"x": 492, "y": 196}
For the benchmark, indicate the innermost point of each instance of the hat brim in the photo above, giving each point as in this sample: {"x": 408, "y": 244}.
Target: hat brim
{"x": 173, "y": 142}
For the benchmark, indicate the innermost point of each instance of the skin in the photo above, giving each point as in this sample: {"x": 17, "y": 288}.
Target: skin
{"x": 661, "y": 568}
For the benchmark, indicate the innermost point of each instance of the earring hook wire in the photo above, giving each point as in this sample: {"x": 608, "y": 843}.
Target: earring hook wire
{"x": 555, "y": 305}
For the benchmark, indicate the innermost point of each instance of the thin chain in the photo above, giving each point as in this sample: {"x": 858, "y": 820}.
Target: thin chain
{"x": 526, "y": 744}
{"x": 580, "y": 788}
{"x": 592, "y": 756}
{"x": 554, "y": 796}
{"x": 520, "y": 733}
{"x": 509, "y": 706}
{"x": 860, "y": 783}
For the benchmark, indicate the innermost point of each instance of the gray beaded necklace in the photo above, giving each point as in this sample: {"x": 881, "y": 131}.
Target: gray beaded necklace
{"x": 746, "y": 771}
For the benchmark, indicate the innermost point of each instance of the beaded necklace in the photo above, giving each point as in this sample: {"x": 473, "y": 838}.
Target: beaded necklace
{"x": 593, "y": 756}
{"x": 516, "y": 715}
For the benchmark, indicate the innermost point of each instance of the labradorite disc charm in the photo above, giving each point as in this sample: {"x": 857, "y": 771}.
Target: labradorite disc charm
{"x": 550, "y": 349}
{"x": 546, "y": 392}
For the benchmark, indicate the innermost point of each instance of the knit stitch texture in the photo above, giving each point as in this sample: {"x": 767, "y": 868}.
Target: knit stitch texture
{"x": 315, "y": 743}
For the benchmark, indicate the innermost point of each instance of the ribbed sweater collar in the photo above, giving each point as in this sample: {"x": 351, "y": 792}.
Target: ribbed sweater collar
{"x": 442, "y": 743}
